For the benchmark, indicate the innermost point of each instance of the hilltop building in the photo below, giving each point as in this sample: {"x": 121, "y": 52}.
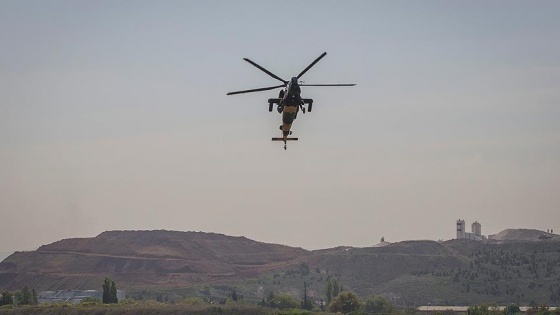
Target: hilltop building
{"x": 475, "y": 234}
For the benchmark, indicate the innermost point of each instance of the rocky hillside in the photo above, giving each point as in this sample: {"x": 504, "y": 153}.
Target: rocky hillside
{"x": 142, "y": 258}
{"x": 174, "y": 264}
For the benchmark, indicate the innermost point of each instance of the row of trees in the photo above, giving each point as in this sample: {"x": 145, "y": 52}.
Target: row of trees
{"x": 344, "y": 302}
{"x": 347, "y": 302}
{"x": 511, "y": 309}
{"x": 28, "y": 296}
{"x": 337, "y": 301}
{"x": 24, "y": 296}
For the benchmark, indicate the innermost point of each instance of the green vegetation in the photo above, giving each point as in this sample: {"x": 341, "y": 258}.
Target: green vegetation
{"x": 512, "y": 309}
{"x": 7, "y": 298}
{"x": 418, "y": 273}
{"x": 109, "y": 292}
{"x": 378, "y": 305}
{"x": 89, "y": 302}
{"x": 283, "y": 301}
{"x": 193, "y": 301}
{"x": 519, "y": 272}
{"x": 279, "y": 304}
{"x": 543, "y": 310}
{"x": 345, "y": 302}
{"x": 24, "y": 296}
{"x": 333, "y": 288}
{"x": 483, "y": 309}
{"x": 144, "y": 308}
{"x": 306, "y": 303}
{"x": 234, "y": 296}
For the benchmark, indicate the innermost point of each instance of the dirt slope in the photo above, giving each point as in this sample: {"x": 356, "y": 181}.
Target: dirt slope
{"x": 142, "y": 257}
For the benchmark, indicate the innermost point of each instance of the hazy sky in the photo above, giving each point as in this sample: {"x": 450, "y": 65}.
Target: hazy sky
{"x": 114, "y": 116}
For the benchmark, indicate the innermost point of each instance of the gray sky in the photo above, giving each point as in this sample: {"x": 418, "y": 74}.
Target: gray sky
{"x": 114, "y": 116}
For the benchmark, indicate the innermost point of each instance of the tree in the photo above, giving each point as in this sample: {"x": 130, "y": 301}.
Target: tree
{"x": 270, "y": 298}
{"x": 18, "y": 298}
{"x": 25, "y": 296}
{"x": 329, "y": 290}
{"x": 21, "y": 297}
{"x": 7, "y": 298}
{"x": 159, "y": 297}
{"x": 283, "y": 301}
{"x": 234, "y": 296}
{"x": 106, "y": 291}
{"x": 512, "y": 309}
{"x": 377, "y": 305}
{"x": 333, "y": 288}
{"x": 114, "y": 298}
{"x": 539, "y": 310}
{"x": 345, "y": 302}
{"x": 306, "y": 304}
{"x": 483, "y": 309}
{"x": 34, "y": 297}
{"x": 109, "y": 292}
{"x": 304, "y": 269}
{"x": 336, "y": 288}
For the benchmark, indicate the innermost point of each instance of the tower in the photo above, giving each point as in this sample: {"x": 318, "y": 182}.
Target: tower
{"x": 476, "y": 229}
{"x": 460, "y": 229}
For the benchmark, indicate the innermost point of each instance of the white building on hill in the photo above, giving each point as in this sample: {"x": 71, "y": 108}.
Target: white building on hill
{"x": 475, "y": 234}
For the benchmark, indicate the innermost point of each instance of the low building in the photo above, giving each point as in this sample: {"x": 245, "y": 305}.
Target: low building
{"x": 73, "y": 296}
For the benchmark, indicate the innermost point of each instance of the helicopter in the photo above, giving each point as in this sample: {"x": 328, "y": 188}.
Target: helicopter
{"x": 289, "y": 101}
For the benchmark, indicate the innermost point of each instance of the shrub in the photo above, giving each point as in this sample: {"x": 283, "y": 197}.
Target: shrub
{"x": 345, "y": 302}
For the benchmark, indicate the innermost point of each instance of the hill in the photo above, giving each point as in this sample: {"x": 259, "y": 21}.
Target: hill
{"x": 194, "y": 246}
{"x": 140, "y": 259}
{"x": 209, "y": 265}
{"x": 523, "y": 235}
{"x": 3, "y": 255}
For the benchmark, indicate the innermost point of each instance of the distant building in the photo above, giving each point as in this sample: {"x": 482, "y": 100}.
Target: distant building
{"x": 460, "y": 229}
{"x": 476, "y": 228}
{"x": 475, "y": 234}
{"x": 73, "y": 296}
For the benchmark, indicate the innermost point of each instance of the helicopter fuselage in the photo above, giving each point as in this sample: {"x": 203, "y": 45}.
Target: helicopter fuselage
{"x": 289, "y": 103}
{"x": 289, "y": 106}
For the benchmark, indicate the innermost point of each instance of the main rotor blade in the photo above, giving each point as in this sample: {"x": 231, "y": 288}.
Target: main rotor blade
{"x": 311, "y": 65}
{"x": 265, "y": 71}
{"x": 344, "y": 84}
{"x": 257, "y": 90}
